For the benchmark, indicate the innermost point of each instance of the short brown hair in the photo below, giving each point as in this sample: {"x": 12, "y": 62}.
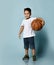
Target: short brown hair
{"x": 28, "y": 9}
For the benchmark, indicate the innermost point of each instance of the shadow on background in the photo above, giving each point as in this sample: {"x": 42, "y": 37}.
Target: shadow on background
{"x": 41, "y": 42}
{"x": 41, "y": 45}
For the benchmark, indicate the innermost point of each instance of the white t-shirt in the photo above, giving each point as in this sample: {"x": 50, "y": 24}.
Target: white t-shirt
{"x": 28, "y": 32}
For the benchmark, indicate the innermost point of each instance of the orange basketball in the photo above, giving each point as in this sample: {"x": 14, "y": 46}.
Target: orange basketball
{"x": 37, "y": 24}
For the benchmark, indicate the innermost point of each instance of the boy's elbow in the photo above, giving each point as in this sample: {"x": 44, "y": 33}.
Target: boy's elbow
{"x": 22, "y": 27}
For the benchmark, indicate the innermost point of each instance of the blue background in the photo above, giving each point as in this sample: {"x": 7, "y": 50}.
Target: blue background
{"x": 11, "y": 16}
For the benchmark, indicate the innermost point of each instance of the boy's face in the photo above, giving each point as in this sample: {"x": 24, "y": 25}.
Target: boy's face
{"x": 27, "y": 14}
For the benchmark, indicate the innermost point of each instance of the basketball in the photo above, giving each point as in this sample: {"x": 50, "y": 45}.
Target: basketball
{"x": 37, "y": 24}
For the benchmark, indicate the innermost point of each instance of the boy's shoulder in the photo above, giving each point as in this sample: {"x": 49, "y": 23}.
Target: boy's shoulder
{"x": 30, "y": 18}
{"x": 33, "y": 18}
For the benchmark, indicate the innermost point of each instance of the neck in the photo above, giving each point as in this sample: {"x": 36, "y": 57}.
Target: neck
{"x": 27, "y": 18}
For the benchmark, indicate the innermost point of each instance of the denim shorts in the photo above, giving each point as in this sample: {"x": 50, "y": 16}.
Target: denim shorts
{"x": 29, "y": 43}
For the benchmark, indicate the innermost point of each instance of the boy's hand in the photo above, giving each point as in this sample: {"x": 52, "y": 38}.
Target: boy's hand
{"x": 43, "y": 22}
{"x": 21, "y": 30}
{"x": 19, "y": 35}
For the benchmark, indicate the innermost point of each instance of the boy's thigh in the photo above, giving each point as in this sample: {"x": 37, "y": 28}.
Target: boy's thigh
{"x": 31, "y": 43}
{"x": 26, "y": 43}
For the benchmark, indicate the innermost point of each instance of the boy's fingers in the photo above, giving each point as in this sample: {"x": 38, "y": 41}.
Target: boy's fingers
{"x": 19, "y": 36}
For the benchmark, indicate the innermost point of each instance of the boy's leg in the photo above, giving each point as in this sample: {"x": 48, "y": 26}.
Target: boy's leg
{"x": 33, "y": 52}
{"x": 26, "y": 51}
{"x": 32, "y": 46}
{"x": 26, "y": 47}
{"x": 26, "y": 56}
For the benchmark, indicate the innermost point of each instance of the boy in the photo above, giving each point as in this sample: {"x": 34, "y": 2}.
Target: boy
{"x": 28, "y": 34}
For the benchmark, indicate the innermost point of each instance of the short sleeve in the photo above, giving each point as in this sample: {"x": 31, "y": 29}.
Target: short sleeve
{"x": 33, "y": 18}
{"x": 22, "y": 24}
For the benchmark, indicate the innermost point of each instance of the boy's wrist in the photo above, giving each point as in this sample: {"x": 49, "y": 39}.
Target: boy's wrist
{"x": 19, "y": 33}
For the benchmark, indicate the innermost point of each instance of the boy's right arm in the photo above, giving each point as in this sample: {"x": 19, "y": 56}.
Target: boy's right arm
{"x": 20, "y": 31}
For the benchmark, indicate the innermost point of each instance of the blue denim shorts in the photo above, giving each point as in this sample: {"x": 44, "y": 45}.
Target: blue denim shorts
{"x": 29, "y": 43}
